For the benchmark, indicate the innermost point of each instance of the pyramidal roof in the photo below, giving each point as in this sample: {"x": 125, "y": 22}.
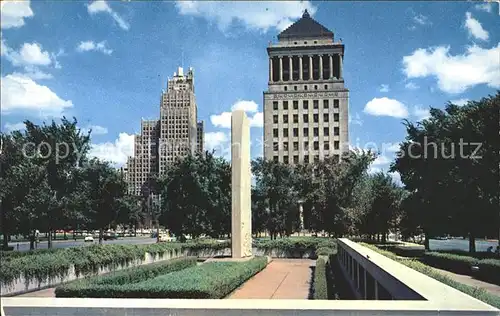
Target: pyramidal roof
{"x": 305, "y": 27}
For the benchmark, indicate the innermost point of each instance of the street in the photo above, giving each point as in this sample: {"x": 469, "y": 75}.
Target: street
{"x": 25, "y": 246}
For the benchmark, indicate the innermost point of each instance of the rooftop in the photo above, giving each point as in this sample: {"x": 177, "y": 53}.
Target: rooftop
{"x": 305, "y": 27}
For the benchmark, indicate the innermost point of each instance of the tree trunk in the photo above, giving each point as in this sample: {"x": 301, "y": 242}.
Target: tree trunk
{"x": 384, "y": 238}
{"x": 472, "y": 243}
{"x": 55, "y": 235}
{"x": 5, "y": 243}
{"x": 426, "y": 242}
{"x": 32, "y": 239}
{"x": 135, "y": 229}
{"x": 100, "y": 236}
{"x": 49, "y": 238}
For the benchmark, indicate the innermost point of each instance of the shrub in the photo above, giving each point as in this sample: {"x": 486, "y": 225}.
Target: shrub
{"x": 295, "y": 246}
{"x": 475, "y": 292}
{"x": 82, "y": 287}
{"x": 451, "y": 262}
{"x": 325, "y": 251}
{"x": 320, "y": 279}
{"x": 489, "y": 270}
{"x": 210, "y": 280}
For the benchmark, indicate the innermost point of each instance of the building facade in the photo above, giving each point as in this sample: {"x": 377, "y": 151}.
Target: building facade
{"x": 306, "y": 103}
{"x": 175, "y": 134}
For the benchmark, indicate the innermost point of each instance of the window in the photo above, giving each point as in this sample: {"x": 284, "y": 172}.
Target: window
{"x": 325, "y": 104}
{"x": 305, "y": 104}
{"x": 306, "y": 159}
{"x": 275, "y": 132}
{"x": 295, "y": 145}
{"x": 275, "y": 146}
{"x": 295, "y": 118}
{"x": 285, "y": 105}
{"x": 337, "y": 157}
{"x": 315, "y": 104}
{"x": 285, "y": 146}
{"x": 275, "y": 105}
{"x": 305, "y": 118}
{"x": 326, "y": 131}
{"x": 285, "y": 159}
{"x": 335, "y": 117}
{"x": 295, "y": 43}
{"x": 285, "y": 118}
{"x": 336, "y": 131}
{"x": 316, "y": 132}
{"x": 295, "y": 159}
{"x": 275, "y": 158}
{"x": 305, "y": 42}
{"x": 316, "y": 145}
{"x": 306, "y": 132}
{"x": 326, "y": 146}
{"x": 336, "y": 103}
{"x": 325, "y": 117}
{"x": 316, "y": 158}
{"x": 315, "y": 42}
{"x": 295, "y": 132}
{"x": 305, "y": 87}
{"x": 326, "y": 87}
{"x": 295, "y": 88}
{"x": 285, "y": 132}
{"x": 286, "y": 88}
{"x": 315, "y": 118}
{"x": 295, "y": 104}
{"x": 306, "y": 146}
{"x": 315, "y": 87}
{"x": 275, "y": 119}
{"x": 336, "y": 144}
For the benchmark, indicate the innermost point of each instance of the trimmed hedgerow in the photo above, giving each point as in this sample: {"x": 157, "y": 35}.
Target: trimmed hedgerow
{"x": 294, "y": 247}
{"x": 320, "y": 279}
{"x": 325, "y": 251}
{"x": 475, "y": 292}
{"x": 210, "y": 280}
{"x": 107, "y": 283}
{"x": 451, "y": 262}
{"x": 489, "y": 270}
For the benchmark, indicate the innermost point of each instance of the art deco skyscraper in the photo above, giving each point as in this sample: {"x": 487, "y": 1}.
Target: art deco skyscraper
{"x": 306, "y": 104}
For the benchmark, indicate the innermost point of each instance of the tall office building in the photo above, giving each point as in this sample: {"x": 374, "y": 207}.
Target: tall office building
{"x": 306, "y": 104}
{"x": 176, "y": 134}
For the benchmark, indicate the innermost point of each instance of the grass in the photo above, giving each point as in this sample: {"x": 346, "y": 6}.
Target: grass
{"x": 475, "y": 292}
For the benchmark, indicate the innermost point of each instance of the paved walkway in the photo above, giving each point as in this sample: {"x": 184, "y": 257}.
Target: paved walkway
{"x": 468, "y": 280}
{"x": 50, "y": 292}
{"x": 281, "y": 279}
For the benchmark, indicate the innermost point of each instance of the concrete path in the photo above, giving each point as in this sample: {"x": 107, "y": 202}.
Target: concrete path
{"x": 468, "y": 280}
{"x": 281, "y": 279}
{"x": 50, "y": 292}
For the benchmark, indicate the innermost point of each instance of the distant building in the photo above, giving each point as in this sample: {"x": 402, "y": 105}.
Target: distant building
{"x": 306, "y": 103}
{"x": 200, "y": 136}
{"x": 175, "y": 134}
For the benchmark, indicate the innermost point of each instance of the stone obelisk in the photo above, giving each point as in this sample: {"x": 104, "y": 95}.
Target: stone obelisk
{"x": 241, "y": 216}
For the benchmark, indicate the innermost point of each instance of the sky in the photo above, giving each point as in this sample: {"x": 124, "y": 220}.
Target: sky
{"x": 106, "y": 62}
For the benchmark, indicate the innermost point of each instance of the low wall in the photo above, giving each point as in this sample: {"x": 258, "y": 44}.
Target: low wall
{"x": 21, "y": 285}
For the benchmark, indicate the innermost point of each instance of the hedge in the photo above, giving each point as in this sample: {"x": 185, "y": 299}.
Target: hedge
{"x": 489, "y": 270}
{"x": 106, "y": 283}
{"x": 475, "y": 292}
{"x": 295, "y": 246}
{"x": 213, "y": 280}
{"x": 451, "y": 262}
{"x": 320, "y": 279}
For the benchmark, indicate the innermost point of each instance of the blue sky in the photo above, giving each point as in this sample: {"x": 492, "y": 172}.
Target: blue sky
{"x": 106, "y": 62}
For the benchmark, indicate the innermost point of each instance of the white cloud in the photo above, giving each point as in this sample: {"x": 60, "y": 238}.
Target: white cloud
{"x": 460, "y": 102}
{"x": 258, "y": 15}
{"x": 101, "y": 6}
{"x": 411, "y": 86}
{"x": 218, "y": 142}
{"x": 396, "y": 178}
{"x": 96, "y": 130}
{"x": 384, "y": 88}
{"x": 390, "y": 147}
{"x": 381, "y": 160}
{"x": 34, "y": 74}
{"x": 247, "y": 106}
{"x": 14, "y": 127}
{"x": 21, "y": 93}
{"x": 386, "y": 107}
{"x": 28, "y": 54}
{"x": 455, "y": 73}
{"x": 116, "y": 152}
{"x": 13, "y": 13}
{"x": 474, "y": 28}
{"x": 486, "y": 7}
{"x": 224, "y": 119}
{"x": 421, "y": 113}
{"x": 355, "y": 119}
{"x": 421, "y": 19}
{"x": 86, "y": 46}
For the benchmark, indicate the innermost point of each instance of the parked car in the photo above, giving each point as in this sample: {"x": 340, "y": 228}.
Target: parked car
{"x": 166, "y": 238}
{"x": 88, "y": 239}
{"x": 109, "y": 236}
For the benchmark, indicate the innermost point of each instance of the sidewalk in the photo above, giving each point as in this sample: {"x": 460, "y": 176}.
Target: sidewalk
{"x": 281, "y": 279}
{"x": 468, "y": 280}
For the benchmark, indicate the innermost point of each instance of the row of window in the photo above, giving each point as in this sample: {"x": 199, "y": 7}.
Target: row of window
{"x": 305, "y": 159}
{"x": 305, "y": 132}
{"x": 326, "y": 146}
{"x": 305, "y": 104}
{"x": 305, "y": 118}
{"x": 295, "y": 88}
